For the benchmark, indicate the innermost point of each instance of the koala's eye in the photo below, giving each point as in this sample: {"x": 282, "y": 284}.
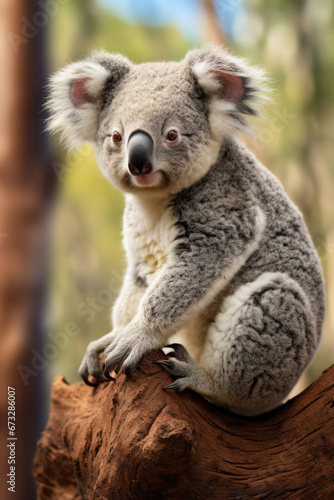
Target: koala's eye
{"x": 116, "y": 137}
{"x": 172, "y": 135}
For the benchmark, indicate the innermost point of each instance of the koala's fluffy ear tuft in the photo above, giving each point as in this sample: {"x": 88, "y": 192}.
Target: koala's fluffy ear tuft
{"x": 77, "y": 95}
{"x": 231, "y": 85}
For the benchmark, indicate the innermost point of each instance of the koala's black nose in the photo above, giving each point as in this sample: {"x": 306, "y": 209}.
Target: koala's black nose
{"x": 140, "y": 152}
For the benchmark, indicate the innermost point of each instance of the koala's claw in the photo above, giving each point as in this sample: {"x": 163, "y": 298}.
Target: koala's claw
{"x": 127, "y": 368}
{"x": 109, "y": 377}
{"x": 180, "y": 366}
{"x": 174, "y": 385}
{"x": 180, "y": 352}
{"x": 176, "y": 368}
{"x": 168, "y": 364}
{"x": 87, "y": 382}
{"x": 106, "y": 372}
{"x": 128, "y": 364}
{"x": 131, "y": 363}
{"x": 186, "y": 371}
{"x": 180, "y": 384}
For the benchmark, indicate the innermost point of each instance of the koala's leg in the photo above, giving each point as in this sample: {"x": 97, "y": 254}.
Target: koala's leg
{"x": 256, "y": 349}
{"x": 126, "y": 304}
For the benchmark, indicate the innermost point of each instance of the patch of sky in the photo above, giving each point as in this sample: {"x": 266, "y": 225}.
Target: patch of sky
{"x": 184, "y": 14}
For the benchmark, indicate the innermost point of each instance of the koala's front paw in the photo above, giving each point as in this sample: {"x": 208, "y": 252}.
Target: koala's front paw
{"x": 128, "y": 349}
{"x": 91, "y": 363}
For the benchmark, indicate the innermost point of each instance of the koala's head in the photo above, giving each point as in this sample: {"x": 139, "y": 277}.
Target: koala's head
{"x": 155, "y": 127}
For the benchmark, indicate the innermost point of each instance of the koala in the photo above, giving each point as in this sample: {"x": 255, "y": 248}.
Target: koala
{"x": 221, "y": 270}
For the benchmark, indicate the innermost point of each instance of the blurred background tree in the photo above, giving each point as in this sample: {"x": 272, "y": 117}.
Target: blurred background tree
{"x": 293, "y": 41}
{"x": 27, "y": 184}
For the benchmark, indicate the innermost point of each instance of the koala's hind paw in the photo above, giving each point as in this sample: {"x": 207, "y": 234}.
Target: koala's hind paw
{"x": 180, "y": 352}
{"x": 179, "y": 384}
{"x": 188, "y": 373}
{"x": 174, "y": 367}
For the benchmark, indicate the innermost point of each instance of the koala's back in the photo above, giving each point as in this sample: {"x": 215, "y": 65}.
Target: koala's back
{"x": 234, "y": 186}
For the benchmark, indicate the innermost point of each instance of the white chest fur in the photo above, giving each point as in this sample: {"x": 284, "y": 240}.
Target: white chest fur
{"x": 149, "y": 235}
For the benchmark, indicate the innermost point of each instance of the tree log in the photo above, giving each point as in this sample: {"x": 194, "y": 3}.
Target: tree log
{"x": 130, "y": 439}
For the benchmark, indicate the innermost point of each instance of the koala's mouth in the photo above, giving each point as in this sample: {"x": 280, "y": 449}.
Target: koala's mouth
{"x": 152, "y": 179}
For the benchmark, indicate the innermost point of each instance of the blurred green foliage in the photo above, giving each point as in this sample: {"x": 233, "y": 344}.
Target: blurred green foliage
{"x": 294, "y": 42}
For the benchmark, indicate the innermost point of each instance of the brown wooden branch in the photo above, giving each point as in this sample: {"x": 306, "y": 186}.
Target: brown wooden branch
{"x": 130, "y": 439}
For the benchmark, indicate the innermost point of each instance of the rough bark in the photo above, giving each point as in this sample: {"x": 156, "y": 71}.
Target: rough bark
{"x": 130, "y": 439}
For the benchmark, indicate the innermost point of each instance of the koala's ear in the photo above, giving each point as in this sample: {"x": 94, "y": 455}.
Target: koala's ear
{"x": 77, "y": 95}
{"x": 231, "y": 85}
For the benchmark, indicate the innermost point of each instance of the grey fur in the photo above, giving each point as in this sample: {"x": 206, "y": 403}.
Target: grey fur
{"x": 217, "y": 253}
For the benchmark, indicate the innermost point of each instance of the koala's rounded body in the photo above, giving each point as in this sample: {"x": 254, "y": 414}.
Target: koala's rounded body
{"x": 220, "y": 263}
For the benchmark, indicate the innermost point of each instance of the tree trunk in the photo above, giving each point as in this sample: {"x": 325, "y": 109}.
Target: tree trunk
{"x": 212, "y": 29}
{"x": 130, "y": 439}
{"x": 25, "y": 192}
